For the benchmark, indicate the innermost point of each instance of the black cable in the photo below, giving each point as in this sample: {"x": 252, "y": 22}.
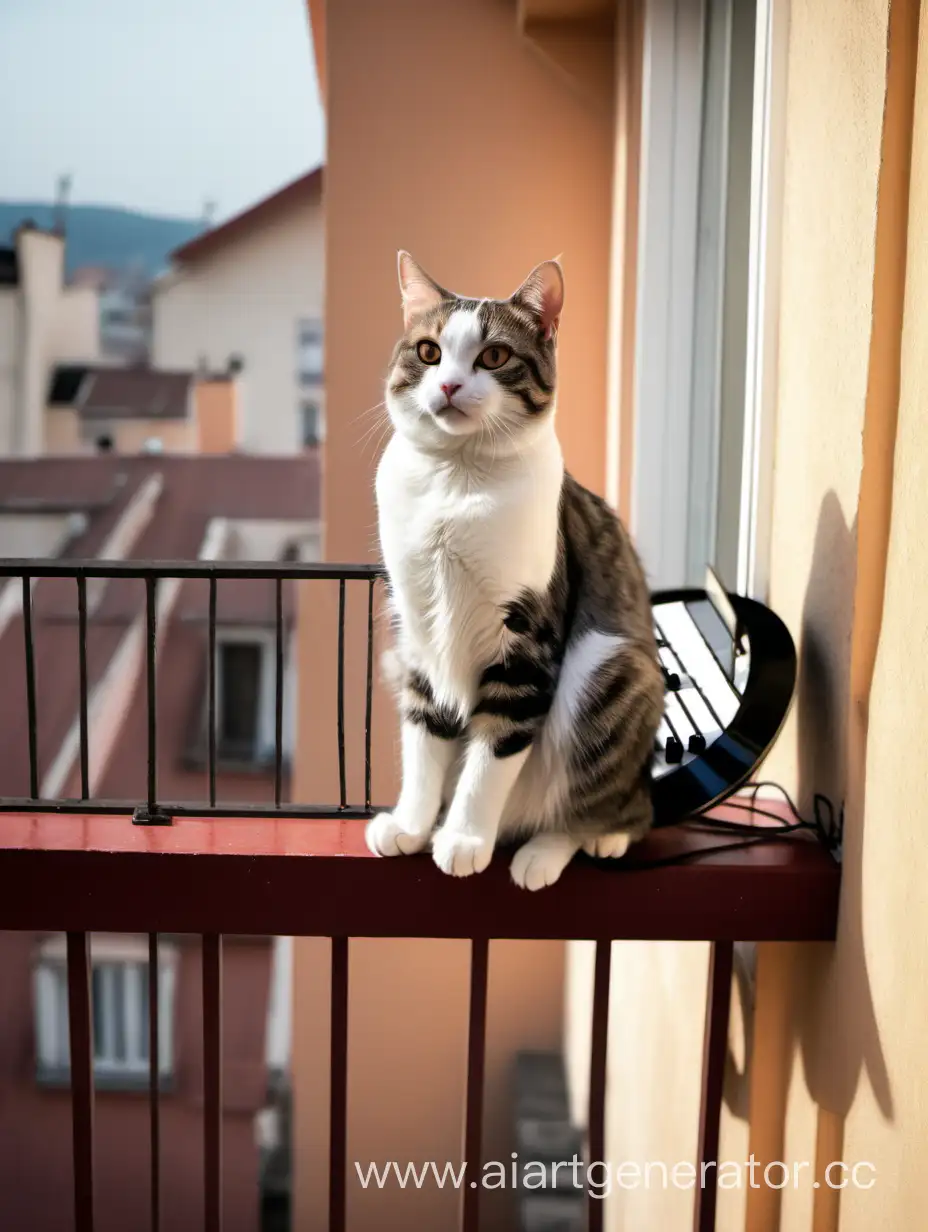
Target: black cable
{"x": 823, "y": 824}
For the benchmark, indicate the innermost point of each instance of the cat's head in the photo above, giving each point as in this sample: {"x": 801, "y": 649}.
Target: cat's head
{"x": 475, "y": 366}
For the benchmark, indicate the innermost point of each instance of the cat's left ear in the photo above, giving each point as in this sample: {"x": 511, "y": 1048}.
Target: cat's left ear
{"x": 420, "y": 292}
{"x": 543, "y": 293}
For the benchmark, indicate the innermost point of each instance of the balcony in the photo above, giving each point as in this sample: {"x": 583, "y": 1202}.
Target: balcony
{"x": 215, "y": 867}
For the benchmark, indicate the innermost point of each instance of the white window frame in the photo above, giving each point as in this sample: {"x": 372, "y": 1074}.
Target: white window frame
{"x": 666, "y": 281}
{"x": 767, "y": 179}
{"x": 50, "y": 992}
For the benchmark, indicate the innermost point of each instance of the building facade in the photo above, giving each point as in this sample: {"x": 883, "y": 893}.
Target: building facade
{"x": 246, "y": 298}
{"x": 110, "y": 507}
{"x": 765, "y": 163}
{"x": 43, "y": 322}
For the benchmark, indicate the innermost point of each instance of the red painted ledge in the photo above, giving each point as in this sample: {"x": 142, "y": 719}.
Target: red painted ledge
{"x": 316, "y": 878}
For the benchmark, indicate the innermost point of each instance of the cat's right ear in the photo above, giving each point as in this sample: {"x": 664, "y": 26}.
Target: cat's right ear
{"x": 420, "y": 292}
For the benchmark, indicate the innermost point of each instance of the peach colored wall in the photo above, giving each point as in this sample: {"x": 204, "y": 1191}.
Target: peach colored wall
{"x": 65, "y": 434}
{"x": 63, "y": 431}
{"x": 480, "y": 192}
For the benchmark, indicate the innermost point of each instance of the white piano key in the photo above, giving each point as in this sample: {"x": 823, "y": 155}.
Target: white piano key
{"x": 697, "y": 659}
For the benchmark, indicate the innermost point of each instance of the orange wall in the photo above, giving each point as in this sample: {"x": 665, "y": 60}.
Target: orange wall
{"x": 216, "y": 412}
{"x": 451, "y": 135}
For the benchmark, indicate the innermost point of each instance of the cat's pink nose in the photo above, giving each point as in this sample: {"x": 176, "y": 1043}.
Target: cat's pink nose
{"x": 449, "y": 390}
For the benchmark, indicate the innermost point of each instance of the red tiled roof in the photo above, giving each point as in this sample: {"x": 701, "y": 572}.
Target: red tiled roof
{"x": 134, "y": 393}
{"x": 195, "y": 490}
{"x": 211, "y": 241}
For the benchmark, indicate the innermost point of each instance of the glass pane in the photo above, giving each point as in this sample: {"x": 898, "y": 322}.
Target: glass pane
{"x": 118, "y": 975}
{"x": 720, "y": 337}
{"x": 240, "y": 667}
{"x": 143, "y": 1012}
{"x": 99, "y": 1012}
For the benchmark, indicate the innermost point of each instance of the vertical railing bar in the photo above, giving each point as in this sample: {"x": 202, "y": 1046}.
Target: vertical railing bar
{"x": 150, "y": 644}
{"x": 211, "y": 698}
{"x": 154, "y": 1074}
{"x": 30, "y": 688}
{"x": 338, "y": 1093}
{"x": 476, "y": 1052}
{"x": 82, "y": 665}
{"x": 279, "y": 694}
{"x": 81, "y": 1052}
{"x": 596, "y": 1120}
{"x": 212, "y": 1082}
{"x": 343, "y": 793}
{"x": 370, "y": 695}
{"x": 715, "y": 1050}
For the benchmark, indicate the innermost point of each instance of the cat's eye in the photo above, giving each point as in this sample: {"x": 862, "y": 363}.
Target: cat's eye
{"x": 429, "y": 352}
{"x": 494, "y": 357}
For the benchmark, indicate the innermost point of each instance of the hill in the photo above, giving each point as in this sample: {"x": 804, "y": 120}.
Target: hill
{"x": 105, "y": 235}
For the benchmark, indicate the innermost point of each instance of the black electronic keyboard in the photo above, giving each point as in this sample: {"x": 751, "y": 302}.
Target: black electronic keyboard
{"x": 729, "y": 667}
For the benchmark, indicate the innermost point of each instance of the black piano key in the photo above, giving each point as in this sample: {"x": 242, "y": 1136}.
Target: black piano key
{"x": 673, "y": 751}
{"x": 697, "y": 743}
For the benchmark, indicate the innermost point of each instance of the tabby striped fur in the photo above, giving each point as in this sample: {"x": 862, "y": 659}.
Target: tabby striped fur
{"x": 526, "y": 668}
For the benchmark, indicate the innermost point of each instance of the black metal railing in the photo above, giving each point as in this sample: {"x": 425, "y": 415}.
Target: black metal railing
{"x": 153, "y": 810}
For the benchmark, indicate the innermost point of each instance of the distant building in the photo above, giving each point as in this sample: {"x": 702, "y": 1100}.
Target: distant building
{"x": 147, "y": 508}
{"x": 249, "y": 294}
{"x": 43, "y": 322}
{"x": 95, "y": 408}
{"x": 125, "y": 311}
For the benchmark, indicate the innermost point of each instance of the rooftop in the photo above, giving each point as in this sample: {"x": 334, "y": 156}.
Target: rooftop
{"x": 187, "y": 498}
{"x": 262, "y": 212}
{"x": 102, "y": 392}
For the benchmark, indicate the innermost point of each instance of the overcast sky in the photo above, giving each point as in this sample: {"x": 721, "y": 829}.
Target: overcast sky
{"x": 157, "y": 105}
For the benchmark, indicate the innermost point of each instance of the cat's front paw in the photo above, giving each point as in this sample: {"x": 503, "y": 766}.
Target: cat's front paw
{"x": 460, "y": 853}
{"x": 540, "y": 861}
{"x": 607, "y": 846}
{"x": 386, "y": 835}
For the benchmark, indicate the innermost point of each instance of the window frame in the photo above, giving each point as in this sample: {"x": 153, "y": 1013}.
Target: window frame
{"x": 266, "y": 727}
{"x": 666, "y": 282}
{"x": 50, "y": 1002}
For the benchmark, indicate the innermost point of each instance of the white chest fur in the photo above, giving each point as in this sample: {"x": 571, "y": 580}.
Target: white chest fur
{"x": 459, "y": 543}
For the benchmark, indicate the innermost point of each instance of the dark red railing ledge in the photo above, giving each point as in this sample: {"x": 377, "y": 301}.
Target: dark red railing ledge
{"x": 316, "y": 878}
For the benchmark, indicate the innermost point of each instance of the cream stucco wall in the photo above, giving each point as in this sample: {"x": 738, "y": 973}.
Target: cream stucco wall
{"x": 856, "y": 1076}
{"x": 836, "y": 94}
{"x": 42, "y": 323}
{"x": 9, "y": 370}
{"x": 245, "y": 298}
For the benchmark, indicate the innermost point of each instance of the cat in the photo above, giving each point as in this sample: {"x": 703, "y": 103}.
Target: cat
{"x": 525, "y": 662}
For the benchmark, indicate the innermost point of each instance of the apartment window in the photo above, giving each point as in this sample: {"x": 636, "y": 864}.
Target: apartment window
{"x": 312, "y": 422}
{"x": 246, "y": 690}
{"x": 309, "y": 351}
{"x": 713, "y": 99}
{"x": 119, "y": 995}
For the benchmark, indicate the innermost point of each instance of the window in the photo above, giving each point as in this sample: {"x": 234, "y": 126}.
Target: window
{"x": 312, "y": 419}
{"x": 119, "y": 992}
{"x": 309, "y": 352}
{"x": 240, "y": 666}
{"x": 714, "y": 86}
{"x": 246, "y": 693}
